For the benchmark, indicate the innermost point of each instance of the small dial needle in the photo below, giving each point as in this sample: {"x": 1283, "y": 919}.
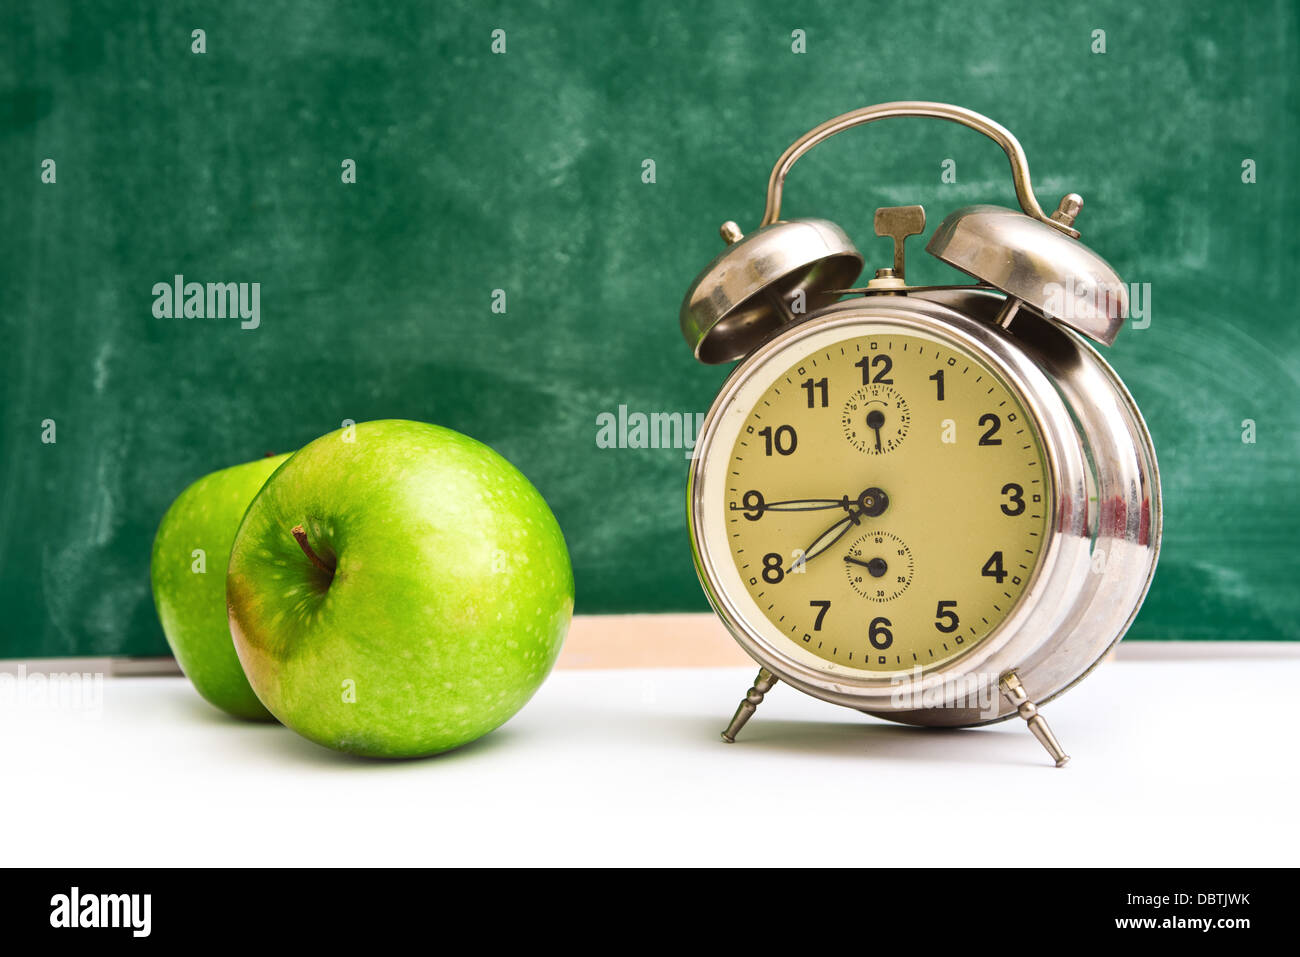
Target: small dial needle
{"x": 875, "y": 419}
{"x": 876, "y": 566}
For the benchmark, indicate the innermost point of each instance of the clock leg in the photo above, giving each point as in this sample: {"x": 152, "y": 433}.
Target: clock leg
{"x": 1016, "y": 694}
{"x": 762, "y": 685}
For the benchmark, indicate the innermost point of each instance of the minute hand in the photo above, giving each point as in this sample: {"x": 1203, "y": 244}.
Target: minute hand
{"x": 793, "y": 505}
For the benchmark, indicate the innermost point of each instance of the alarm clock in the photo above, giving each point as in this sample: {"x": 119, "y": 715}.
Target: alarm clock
{"x": 935, "y": 504}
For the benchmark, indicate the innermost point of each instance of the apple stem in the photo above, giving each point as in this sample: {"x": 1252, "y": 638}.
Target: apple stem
{"x": 300, "y": 535}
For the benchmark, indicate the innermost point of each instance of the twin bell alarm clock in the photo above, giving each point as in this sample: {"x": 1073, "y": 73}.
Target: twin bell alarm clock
{"x": 935, "y": 504}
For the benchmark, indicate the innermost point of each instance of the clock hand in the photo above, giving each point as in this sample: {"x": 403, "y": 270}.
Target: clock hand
{"x": 875, "y": 419}
{"x": 829, "y": 537}
{"x": 876, "y": 566}
{"x": 870, "y": 503}
{"x": 793, "y": 505}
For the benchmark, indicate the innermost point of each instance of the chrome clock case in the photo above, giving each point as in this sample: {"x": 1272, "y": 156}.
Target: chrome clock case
{"x": 776, "y": 295}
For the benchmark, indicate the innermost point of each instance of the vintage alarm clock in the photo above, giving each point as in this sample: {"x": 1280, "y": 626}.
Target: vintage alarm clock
{"x": 935, "y": 504}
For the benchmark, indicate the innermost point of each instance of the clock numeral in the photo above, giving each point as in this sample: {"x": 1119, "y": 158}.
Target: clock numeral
{"x": 945, "y": 617}
{"x": 937, "y": 379}
{"x": 879, "y": 634}
{"x": 752, "y": 501}
{"x": 866, "y": 364}
{"x": 773, "y": 573}
{"x": 785, "y": 440}
{"x": 993, "y": 568}
{"x": 825, "y": 606}
{"x": 1016, "y": 506}
{"x": 994, "y": 423}
{"x": 824, "y": 385}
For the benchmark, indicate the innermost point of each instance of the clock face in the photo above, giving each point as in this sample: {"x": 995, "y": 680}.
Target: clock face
{"x": 885, "y": 499}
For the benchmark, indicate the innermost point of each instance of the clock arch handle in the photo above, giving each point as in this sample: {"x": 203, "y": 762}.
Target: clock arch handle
{"x": 942, "y": 111}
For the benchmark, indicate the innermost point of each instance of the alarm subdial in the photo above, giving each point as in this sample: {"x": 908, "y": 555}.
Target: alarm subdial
{"x": 879, "y": 566}
{"x": 875, "y": 419}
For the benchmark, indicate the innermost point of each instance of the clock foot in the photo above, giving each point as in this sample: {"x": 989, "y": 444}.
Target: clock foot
{"x": 762, "y": 685}
{"x": 1016, "y": 694}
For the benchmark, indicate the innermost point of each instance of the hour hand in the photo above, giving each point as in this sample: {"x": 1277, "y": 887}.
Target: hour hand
{"x": 829, "y": 537}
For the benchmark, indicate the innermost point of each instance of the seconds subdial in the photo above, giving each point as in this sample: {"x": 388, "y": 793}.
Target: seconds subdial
{"x": 875, "y": 419}
{"x": 879, "y": 566}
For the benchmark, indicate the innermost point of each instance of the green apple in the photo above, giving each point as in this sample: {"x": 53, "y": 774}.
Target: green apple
{"x": 398, "y": 589}
{"x": 188, "y": 571}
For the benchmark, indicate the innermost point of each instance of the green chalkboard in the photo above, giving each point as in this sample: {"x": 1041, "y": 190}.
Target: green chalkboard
{"x": 525, "y": 171}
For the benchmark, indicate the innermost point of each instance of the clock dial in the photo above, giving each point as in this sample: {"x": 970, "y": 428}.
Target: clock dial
{"x": 886, "y": 501}
{"x": 875, "y": 419}
{"x": 879, "y": 566}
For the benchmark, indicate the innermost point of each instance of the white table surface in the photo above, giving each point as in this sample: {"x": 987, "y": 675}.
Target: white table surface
{"x": 625, "y": 767}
